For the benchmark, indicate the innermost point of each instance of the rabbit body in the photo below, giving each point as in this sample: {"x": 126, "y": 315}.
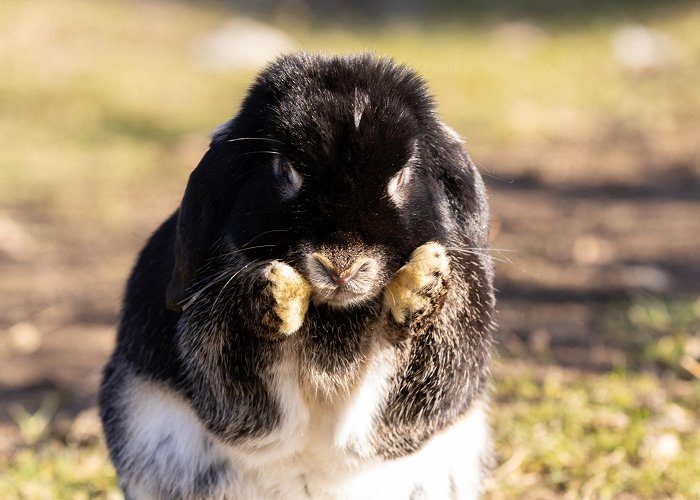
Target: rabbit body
{"x": 314, "y": 321}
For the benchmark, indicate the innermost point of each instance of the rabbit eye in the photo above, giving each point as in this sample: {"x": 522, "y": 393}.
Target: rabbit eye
{"x": 398, "y": 181}
{"x": 288, "y": 174}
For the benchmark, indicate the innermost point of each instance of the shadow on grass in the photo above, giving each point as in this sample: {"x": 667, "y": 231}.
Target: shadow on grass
{"x": 674, "y": 183}
{"x": 29, "y": 398}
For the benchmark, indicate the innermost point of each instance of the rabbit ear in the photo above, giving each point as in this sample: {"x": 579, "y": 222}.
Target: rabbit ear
{"x": 198, "y": 219}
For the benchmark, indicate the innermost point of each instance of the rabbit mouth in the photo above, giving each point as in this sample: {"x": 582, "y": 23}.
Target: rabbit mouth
{"x": 341, "y": 296}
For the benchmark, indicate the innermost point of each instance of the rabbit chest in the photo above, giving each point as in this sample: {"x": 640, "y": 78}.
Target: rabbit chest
{"x": 319, "y": 450}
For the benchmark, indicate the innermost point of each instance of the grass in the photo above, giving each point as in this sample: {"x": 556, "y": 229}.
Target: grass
{"x": 560, "y": 432}
{"x": 95, "y": 96}
{"x": 56, "y": 470}
{"x": 665, "y": 334}
{"x": 557, "y": 433}
{"x": 104, "y": 111}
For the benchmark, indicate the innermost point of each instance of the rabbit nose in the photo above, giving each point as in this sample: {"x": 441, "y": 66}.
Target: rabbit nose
{"x": 339, "y": 278}
{"x": 343, "y": 277}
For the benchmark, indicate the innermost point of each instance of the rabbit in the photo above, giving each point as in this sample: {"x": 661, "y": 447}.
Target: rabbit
{"x": 315, "y": 320}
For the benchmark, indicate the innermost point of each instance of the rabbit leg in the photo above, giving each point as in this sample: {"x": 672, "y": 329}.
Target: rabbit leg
{"x": 289, "y": 296}
{"x": 415, "y": 296}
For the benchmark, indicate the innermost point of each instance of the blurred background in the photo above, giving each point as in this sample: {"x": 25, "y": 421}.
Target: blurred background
{"x": 584, "y": 118}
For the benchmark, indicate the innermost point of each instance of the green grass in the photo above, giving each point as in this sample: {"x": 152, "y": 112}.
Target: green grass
{"x": 661, "y": 333}
{"x": 556, "y": 431}
{"x": 595, "y": 436}
{"x": 53, "y": 469}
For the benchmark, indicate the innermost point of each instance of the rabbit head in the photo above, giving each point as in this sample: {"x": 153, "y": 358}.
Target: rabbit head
{"x": 339, "y": 167}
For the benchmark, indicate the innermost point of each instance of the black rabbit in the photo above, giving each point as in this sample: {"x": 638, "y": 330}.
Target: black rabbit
{"x": 314, "y": 321}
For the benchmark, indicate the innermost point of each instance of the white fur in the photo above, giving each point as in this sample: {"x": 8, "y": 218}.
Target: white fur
{"x": 358, "y": 107}
{"x": 452, "y": 133}
{"x": 354, "y": 423}
{"x": 289, "y": 437}
{"x": 319, "y": 451}
{"x": 165, "y": 440}
{"x": 396, "y": 194}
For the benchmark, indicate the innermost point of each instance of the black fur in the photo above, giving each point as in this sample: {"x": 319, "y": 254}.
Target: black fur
{"x": 185, "y": 325}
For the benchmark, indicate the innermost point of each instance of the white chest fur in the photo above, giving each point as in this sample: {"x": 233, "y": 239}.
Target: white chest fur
{"x": 317, "y": 451}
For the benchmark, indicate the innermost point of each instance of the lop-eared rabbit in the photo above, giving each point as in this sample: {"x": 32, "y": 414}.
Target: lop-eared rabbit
{"x": 314, "y": 321}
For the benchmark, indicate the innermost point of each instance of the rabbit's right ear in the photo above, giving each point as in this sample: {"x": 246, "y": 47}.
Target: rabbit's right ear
{"x": 198, "y": 221}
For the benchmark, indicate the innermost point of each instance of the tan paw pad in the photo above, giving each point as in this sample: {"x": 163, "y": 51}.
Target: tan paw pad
{"x": 408, "y": 292}
{"x": 291, "y": 294}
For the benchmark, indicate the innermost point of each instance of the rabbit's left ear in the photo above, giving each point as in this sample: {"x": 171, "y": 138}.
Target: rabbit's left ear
{"x": 197, "y": 222}
{"x": 463, "y": 184}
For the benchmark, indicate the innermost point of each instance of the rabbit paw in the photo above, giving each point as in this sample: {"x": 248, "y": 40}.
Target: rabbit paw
{"x": 418, "y": 291}
{"x": 289, "y": 294}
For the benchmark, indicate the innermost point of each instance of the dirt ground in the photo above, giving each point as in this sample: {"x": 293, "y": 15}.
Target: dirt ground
{"x": 572, "y": 251}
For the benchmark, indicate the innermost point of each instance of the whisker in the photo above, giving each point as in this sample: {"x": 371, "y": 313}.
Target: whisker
{"x": 262, "y": 234}
{"x": 488, "y": 249}
{"x": 476, "y": 252}
{"x": 229, "y": 281}
{"x": 485, "y": 251}
{"x": 393, "y": 299}
{"x": 189, "y": 300}
{"x": 490, "y": 173}
{"x": 213, "y": 280}
{"x": 256, "y": 152}
{"x": 237, "y": 251}
{"x": 253, "y": 139}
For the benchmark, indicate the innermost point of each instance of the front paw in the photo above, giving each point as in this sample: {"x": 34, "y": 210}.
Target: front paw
{"x": 416, "y": 294}
{"x": 289, "y": 295}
